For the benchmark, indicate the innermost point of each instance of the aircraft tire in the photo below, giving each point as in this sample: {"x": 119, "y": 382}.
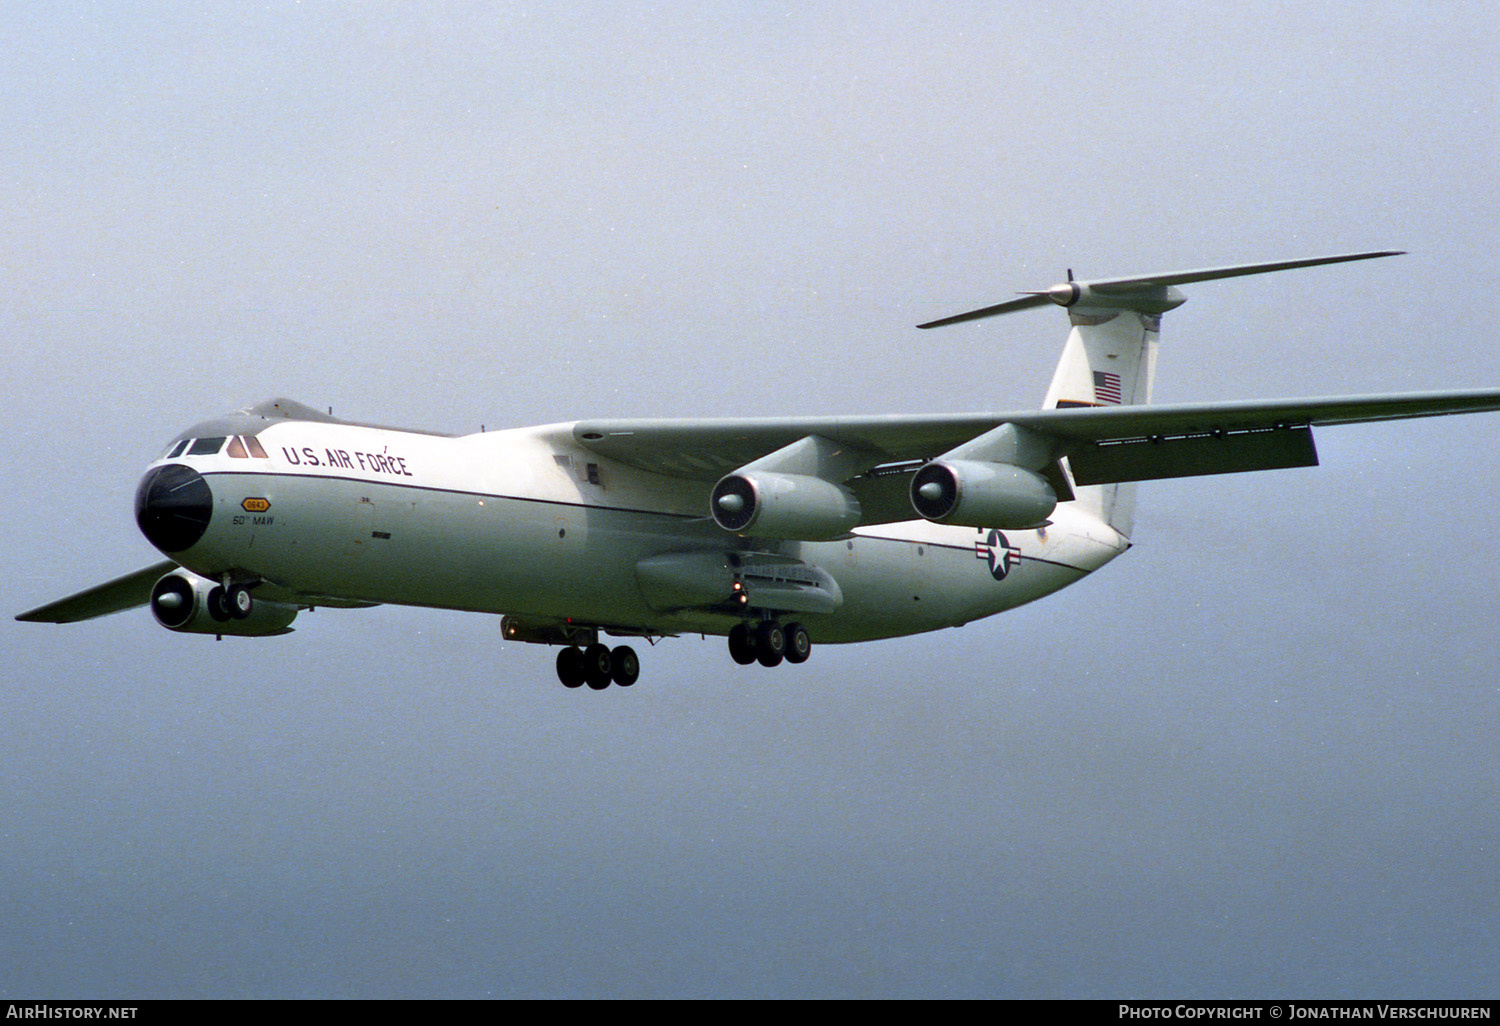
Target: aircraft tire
{"x": 770, "y": 643}
{"x": 239, "y": 602}
{"x": 598, "y": 667}
{"x": 798, "y": 644}
{"x": 570, "y": 667}
{"x": 218, "y": 608}
{"x": 625, "y": 666}
{"x": 741, "y": 644}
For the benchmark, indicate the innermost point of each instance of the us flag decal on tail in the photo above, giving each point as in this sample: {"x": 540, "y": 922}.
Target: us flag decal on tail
{"x": 1107, "y": 387}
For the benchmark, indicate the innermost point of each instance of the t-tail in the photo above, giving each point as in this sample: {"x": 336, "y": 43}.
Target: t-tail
{"x": 1110, "y": 356}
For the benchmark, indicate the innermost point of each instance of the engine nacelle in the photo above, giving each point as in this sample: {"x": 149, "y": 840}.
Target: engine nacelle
{"x": 794, "y": 506}
{"x": 181, "y": 602}
{"x": 972, "y": 493}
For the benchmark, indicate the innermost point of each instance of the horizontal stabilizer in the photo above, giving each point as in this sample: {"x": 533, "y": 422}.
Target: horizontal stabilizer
{"x": 1069, "y": 292}
{"x": 1026, "y": 302}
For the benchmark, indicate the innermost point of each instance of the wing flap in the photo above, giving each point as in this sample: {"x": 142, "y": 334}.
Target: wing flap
{"x": 1149, "y": 459}
{"x": 122, "y": 593}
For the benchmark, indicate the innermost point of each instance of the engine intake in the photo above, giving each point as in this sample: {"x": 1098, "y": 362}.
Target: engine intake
{"x": 793, "y": 506}
{"x": 972, "y": 493}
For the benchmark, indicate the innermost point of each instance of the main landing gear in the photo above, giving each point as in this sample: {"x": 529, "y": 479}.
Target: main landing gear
{"x": 598, "y": 666}
{"x": 768, "y": 643}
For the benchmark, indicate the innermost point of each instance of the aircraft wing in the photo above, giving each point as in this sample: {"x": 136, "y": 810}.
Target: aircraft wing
{"x": 709, "y": 449}
{"x": 1106, "y": 443}
{"x": 120, "y": 594}
{"x": 1110, "y": 423}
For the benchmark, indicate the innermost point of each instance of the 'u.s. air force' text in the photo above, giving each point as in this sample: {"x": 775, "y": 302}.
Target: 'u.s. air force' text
{"x": 370, "y": 462}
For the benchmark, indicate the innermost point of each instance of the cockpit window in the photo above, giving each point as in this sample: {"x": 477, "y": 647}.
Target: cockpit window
{"x": 242, "y": 447}
{"x": 206, "y": 446}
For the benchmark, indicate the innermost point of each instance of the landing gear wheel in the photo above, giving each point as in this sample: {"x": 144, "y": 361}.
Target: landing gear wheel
{"x": 570, "y": 667}
{"x": 218, "y": 608}
{"x": 798, "y": 644}
{"x": 598, "y": 667}
{"x": 741, "y": 644}
{"x": 625, "y": 666}
{"x": 770, "y": 643}
{"x": 238, "y": 601}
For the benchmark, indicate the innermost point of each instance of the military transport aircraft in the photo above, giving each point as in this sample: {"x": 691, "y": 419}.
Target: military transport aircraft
{"x": 773, "y": 532}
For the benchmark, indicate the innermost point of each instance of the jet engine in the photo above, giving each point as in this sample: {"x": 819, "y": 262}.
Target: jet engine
{"x": 772, "y": 505}
{"x": 185, "y": 602}
{"x": 972, "y": 493}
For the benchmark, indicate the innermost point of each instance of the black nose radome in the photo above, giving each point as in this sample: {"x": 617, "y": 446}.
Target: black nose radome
{"x": 173, "y": 506}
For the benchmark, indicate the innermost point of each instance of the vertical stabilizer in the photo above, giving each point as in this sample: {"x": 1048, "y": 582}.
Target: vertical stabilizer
{"x": 1108, "y": 360}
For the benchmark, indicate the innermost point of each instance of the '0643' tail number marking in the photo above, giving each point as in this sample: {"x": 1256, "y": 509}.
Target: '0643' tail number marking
{"x": 260, "y": 507}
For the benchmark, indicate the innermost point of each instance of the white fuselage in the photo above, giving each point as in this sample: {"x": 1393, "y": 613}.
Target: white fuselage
{"x": 527, "y": 522}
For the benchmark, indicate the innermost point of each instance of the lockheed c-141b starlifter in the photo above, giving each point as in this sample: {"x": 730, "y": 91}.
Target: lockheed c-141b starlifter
{"x": 776, "y": 533}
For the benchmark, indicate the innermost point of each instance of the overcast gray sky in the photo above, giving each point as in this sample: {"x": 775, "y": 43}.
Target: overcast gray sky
{"x": 1254, "y": 757}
